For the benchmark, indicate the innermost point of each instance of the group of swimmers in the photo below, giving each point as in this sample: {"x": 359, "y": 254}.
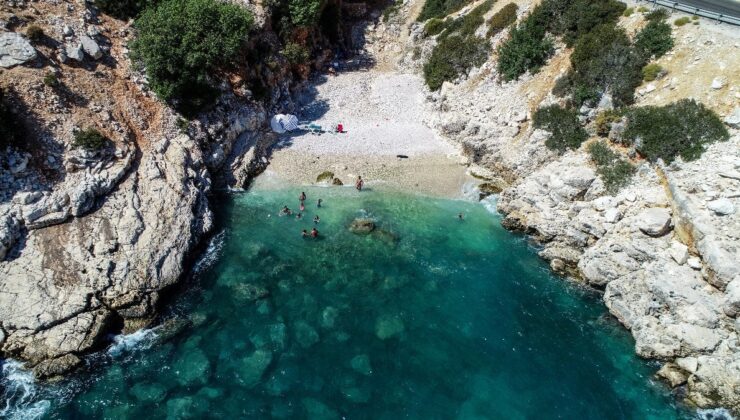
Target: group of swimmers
{"x": 285, "y": 211}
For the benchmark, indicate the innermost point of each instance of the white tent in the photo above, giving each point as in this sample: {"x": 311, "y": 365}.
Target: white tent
{"x": 281, "y": 123}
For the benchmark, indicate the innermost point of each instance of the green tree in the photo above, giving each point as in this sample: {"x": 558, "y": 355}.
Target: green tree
{"x": 654, "y": 39}
{"x": 305, "y": 12}
{"x": 180, "y": 42}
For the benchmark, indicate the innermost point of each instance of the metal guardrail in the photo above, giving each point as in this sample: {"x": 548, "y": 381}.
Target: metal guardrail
{"x": 674, "y": 5}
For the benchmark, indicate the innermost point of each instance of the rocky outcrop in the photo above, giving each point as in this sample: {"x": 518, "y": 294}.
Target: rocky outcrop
{"x": 15, "y": 50}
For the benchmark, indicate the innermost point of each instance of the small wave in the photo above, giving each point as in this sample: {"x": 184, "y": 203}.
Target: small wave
{"x": 714, "y": 414}
{"x": 126, "y": 343}
{"x": 211, "y": 254}
{"x": 19, "y": 393}
{"x": 489, "y": 203}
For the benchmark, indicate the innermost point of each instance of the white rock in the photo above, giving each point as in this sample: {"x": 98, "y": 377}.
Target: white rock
{"x": 91, "y": 47}
{"x": 733, "y": 120}
{"x": 721, "y": 206}
{"x": 679, "y": 252}
{"x": 15, "y": 50}
{"x": 694, "y": 262}
{"x": 655, "y": 221}
{"x": 74, "y": 52}
{"x": 732, "y": 296}
{"x": 612, "y": 215}
{"x": 650, "y": 88}
{"x": 717, "y": 83}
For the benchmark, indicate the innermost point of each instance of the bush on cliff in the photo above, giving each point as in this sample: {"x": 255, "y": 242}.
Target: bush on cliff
{"x": 563, "y": 123}
{"x": 181, "y": 42}
{"x": 614, "y": 171}
{"x": 502, "y": 19}
{"x": 683, "y": 128}
{"x": 654, "y": 40}
{"x": 305, "y": 12}
{"x": 295, "y": 53}
{"x": 440, "y": 8}
{"x": 90, "y": 139}
{"x": 579, "y": 17}
{"x": 527, "y": 49}
{"x": 123, "y": 9}
{"x": 452, "y": 57}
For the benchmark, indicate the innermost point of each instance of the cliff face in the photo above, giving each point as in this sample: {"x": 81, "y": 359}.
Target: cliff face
{"x": 89, "y": 239}
{"x": 665, "y": 249}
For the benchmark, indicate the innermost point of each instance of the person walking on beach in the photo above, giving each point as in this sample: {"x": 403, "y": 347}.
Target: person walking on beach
{"x": 359, "y": 183}
{"x": 314, "y": 233}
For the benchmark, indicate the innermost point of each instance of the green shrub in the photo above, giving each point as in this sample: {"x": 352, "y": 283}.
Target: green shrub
{"x": 614, "y": 171}
{"x": 642, "y": 9}
{"x": 628, "y": 12}
{"x": 695, "y": 17}
{"x": 502, "y": 19}
{"x": 467, "y": 25}
{"x": 123, "y": 9}
{"x": 582, "y": 16}
{"x": 604, "y": 121}
{"x": 305, "y": 12}
{"x": 180, "y": 42}
{"x": 683, "y": 128}
{"x": 182, "y": 124}
{"x": 526, "y": 49}
{"x": 452, "y": 57}
{"x": 35, "y": 33}
{"x": 658, "y": 14}
{"x": 681, "y": 21}
{"x": 654, "y": 40}
{"x": 604, "y": 60}
{"x": 434, "y": 26}
{"x": 90, "y": 139}
{"x": 51, "y": 80}
{"x": 440, "y": 8}
{"x": 563, "y": 123}
{"x": 295, "y": 53}
{"x": 651, "y": 72}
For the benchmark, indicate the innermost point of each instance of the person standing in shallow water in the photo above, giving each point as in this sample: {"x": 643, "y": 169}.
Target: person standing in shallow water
{"x": 304, "y": 234}
{"x": 314, "y": 233}
{"x": 318, "y": 203}
{"x": 302, "y": 197}
{"x": 359, "y": 183}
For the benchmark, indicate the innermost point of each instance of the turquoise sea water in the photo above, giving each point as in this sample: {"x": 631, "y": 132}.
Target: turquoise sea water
{"x": 429, "y": 317}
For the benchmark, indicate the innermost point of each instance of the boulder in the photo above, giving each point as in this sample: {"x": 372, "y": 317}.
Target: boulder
{"x": 612, "y": 215}
{"x": 337, "y": 182}
{"x": 387, "y": 326}
{"x": 305, "y": 335}
{"x": 56, "y": 367}
{"x": 148, "y": 393}
{"x": 655, "y": 221}
{"x": 192, "y": 367}
{"x": 488, "y": 188}
{"x": 15, "y": 50}
{"x": 732, "y": 299}
{"x": 325, "y": 176}
{"x": 362, "y": 226}
{"x": 250, "y": 292}
{"x": 679, "y": 252}
{"x": 733, "y": 120}
{"x": 673, "y": 374}
{"x": 721, "y": 206}
{"x": 253, "y": 367}
{"x": 74, "y": 52}
{"x": 361, "y": 364}
{"x": 91, "y": 47}
{"x": 717, "y": 83}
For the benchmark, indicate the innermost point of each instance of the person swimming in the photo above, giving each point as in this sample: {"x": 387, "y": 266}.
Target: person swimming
{"x": 316, "y": 219}
{"x": 302, "y": 206}
{"x": 314, "y": 233}
{"x": 302, "y": 197}
{"x": 304, "y": 233}
{"x": 299, "y": 216}
{"x": 318, "y": 203}
{"x": 285, "y": 211}
{"x": 460, "y": 216}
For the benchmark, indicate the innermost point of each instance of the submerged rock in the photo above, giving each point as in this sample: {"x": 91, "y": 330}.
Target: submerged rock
{"x": 250, "y": 292}
{"x": 329, "y": 317}
{"x": 252, "y": 367}
{"x": 361, "y": 226}
{"x": 361, "y": 364}
{"x": 305, "y": 335}
{"x": 315, "y": 409}
{"x": 148, "y": 392}
{"x": 192, "y": 367}
{"x": 387, "y": 326}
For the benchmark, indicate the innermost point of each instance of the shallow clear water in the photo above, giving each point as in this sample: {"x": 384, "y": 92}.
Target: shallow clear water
{"x": 429, "y": 317}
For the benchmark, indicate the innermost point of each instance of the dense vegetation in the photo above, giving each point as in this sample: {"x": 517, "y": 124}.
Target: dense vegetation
{"x": 683, "y": 128}
{"x": 614, "y": 171}
{"x": 502, "y": 19}
{"x": 527, "y": 48}
{"x": 440, "y": 8}
{"x": 458, "y": 49}
{"x": 563, "y": 123}
{"x": 123, "y": 9}
{"x": 654, "y": 40}
{"x": 90, "y": 139}
{"x": 181, "y": 42}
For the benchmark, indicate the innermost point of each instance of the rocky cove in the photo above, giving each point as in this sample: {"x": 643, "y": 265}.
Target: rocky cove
{"x": 94, "y": 252}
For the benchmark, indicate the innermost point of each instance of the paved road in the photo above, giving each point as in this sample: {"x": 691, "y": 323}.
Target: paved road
{"x": 725, "y": 7}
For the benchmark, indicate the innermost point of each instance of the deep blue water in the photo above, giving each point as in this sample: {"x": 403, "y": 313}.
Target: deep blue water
{"x": 428, "y": 317}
